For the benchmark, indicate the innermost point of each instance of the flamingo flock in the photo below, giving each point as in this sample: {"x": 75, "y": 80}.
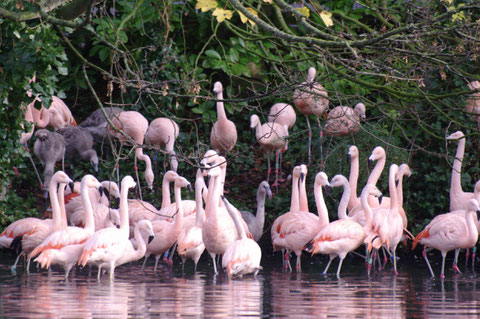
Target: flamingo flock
{"x": 85, "y": 230}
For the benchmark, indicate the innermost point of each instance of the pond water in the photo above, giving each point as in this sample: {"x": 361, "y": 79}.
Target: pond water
{"x": 274, "y": 292}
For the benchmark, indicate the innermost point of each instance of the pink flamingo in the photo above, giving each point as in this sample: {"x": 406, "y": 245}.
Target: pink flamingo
{"x": 134, "y": 125}
{"x": 283, "y": 114}
{"x": 190, "y": 243}
{"x": 344, "y": 235}
{"x": 343, "y": 120}
{"x": 447, "y": 232}
{"x": 163, "y": 132}
{"x": 166, "y": 233}
{"x": 387, "y": 224}
{"x": 32, "y": 231}
{"x": 353, "y": 178}
{"x": 302, "y": 189}
{"x": 243, "y": 256}
{"x": 311, "y": 99}
{"x": 458, "y": 198}
{"x": 107, "y": 245}
{"x": 272, "y": 137}
{"x": 224, "y": 132}
{"x": 64, "y": 246}
{"x": 58, "y": 115}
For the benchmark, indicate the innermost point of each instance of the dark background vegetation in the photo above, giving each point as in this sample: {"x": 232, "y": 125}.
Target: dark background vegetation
{"x": 409, "y": 62}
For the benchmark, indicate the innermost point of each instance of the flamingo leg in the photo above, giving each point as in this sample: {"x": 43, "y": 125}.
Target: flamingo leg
{"x": 170, "y": 259}
{"x": 442, "y": 273}
{"x": 138, "y": 178}
{"x": 339, "y": 267}
{"x": 145, "y": 261}
{"x": 99, "y": 272}
{"x": 474, "y": 255}
{"x": 214, "y": 263}
{"x": 269, "y": 170}
{"x": 14, "y": 267}
{"x": 157, "y": 258}
{"x": 395, "y": 260}
{"x": 276, "y": 170}
{"x": 455, "y": 261}
{"x": 328, "y": 266}
{"x": 299, "y": 262}
{"x": 426, "y": 260}
{"x": 309, "y": 138}
{"x": 467, "y": 256}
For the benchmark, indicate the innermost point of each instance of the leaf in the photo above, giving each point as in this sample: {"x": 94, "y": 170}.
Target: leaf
{"x": 63, "y": 70}
{"x": 447, "y": 1}
{"x": 304, "y": 11}
{"x": 221, "y": 14}
{"x": 244, "y": 19}
{"x": 268, "y": 1}
{"x": 327, "y": 18}
{"x": 213, "y": 54}
{"x": 206, "y": 5}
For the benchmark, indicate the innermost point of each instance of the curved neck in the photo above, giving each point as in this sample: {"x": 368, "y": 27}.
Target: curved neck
{"x": 56, "y": 211}
{"x": 220, "y": 107}
{"x": 260, "y": 216}
{"x": 89, "y": 221}
{"x": 392, "y": 188}
{"x": 455, "y": 182}
{"x": 238, "y": 225}
{"x": 258, "y": 131}
{"x": 377, "y": 171}
{"x": 179, "y": 218}
{"x": 322, "y": 210}
{"x": 471, "y": 227}
{"x": 294, "y": 202}
{"x": 367, "y": 211}
{"x": 303, "y": 195}
{"x": 61, "y": 199}
{"x": 353, "y": 180}
{"x": 41, "y": 117}
{"x": 342, "y": 207}
{"x": 166, "y": 200}
{"x": 199, "y": 187}
{"x": 123, "y": 209}
{"x": 141, "y": 245}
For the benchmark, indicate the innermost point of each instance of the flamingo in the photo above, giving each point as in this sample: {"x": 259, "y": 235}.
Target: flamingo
{"x": 134, "y": 125}
{"x": 344, "y": 235}
{"x": 387, "y": 224}
{"x": 353, "y": 158}
{"x": 299, "y": 228}
{"x": 458, "y": 198}
{"x": 447, "y": 232}
{"x": 57, "y": 116}
{"x": 283, "y": 114}
{"x": 403, "y": 170}
{"x": 302, "y": 189}
{"x": 107, "y": 245}
{"x": 163, "y": 132}
{"x": 79, "y": 142}
{"x": 343, "y": 120}
{"x": 272, "y": 137}
{"x": 243, "y": 256}
{"x": 64, "y": 246}
{"x": 32, "y": 231}
{"x": 49, "y": 147}
{"x": 311, "y": 99}
{"x": 256, "y": 223}
{"x": 166, "y": 233}
{"x": 96, "y": 123}
{"x": 224, "y": 132}
{"x": 190, "y": 243}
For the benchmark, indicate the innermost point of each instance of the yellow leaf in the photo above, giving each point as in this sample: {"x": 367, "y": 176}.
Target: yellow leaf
{"x": 304, "y": 11}
{"x": 268, "y": 1}
{"x": 206, "y": 5}
{"x": 244, "y": 19}
{"x": 327, "y": 18}
{"x": 222, "y": 14}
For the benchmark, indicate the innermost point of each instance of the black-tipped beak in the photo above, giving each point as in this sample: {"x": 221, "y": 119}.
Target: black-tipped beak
{"x": 117, "y": 202}
{"x": 149, "y": 190}
{"x": 190, "y": 189}
{"x": 478, "y": 214}
{"x": 349, "y": 158}
{"x": 252, "y": 131}
{"x": 150, "y": 238}
{"x": 396, "y": 183}
{"x": 118, "y": 226}
{"x": 95, "y": 167}
{"x": 101, "y": 190}
{"x": 328, "y": 189}
{"x": 302, "y": 176}
{"x": 71, "y": 186}
{"x": 370, "y": 164}
{"x": 106, "y": 192}
{"x": 380, "y": 199}
{"x": 222, "y": 197}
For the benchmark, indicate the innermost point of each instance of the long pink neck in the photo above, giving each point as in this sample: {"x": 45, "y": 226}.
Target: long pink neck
{"x": 455, "y": 182}
{"x": 353, "y": 181}
{"x": 199, "y": 186}
{"x": 377, "y": 171}
{"x": 238, "y": 225}
{"x": 87, "y": 204}
{"x": 56, "y": 211}
{"x": 303, "y": 195}
{"x": 148, "y": 163}
{"x": 141, "y": 245}
{"x": 41, "y": 117}
{"x": 368, "y": 212}
{"x": 124, "y": 226}
{"x": 166, "y": 200}
{"x": 294, "y": 202}
{"x": 392, "y": 188}
{"x": 342, "y": 207}
{"x": 471, "y": 227}
{"x": 179, "y": 218}
{"x": 221, "y": 115}
{"x": 61, "y": 199}
{"x": 322, "y": 210}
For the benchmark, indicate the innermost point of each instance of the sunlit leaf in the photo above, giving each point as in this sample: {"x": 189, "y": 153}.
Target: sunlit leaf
{"x": 244, "y": 19}
{"x": 206, "y": 5}
{"x": 222, "y": 14}
{"x": 327, "y": 18}
{"x": 304, "y": 11}
{"x": 268, "y": 1}
{"x": 447, "y": 1}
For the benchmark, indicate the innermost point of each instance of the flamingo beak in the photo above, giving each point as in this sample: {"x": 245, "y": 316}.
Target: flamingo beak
{"x": 71, "y": 186}
{"x": 349, "y": 159}
{"x": 328, "y": 189}
{"x": 190, "y": 190}
{"x": 302, "y": 176}
{"x": 117, "y": 202}
{"x": 101, "y": 190}
{"x": 380, "y": 199}
{"x": 150, "y": 238}
{"x": 370, "y": 164}
{"x": 478, "y": 214}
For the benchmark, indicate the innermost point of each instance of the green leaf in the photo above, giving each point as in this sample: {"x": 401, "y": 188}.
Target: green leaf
{"x": 213, "y": 54}
{"x": 63, "y": 70}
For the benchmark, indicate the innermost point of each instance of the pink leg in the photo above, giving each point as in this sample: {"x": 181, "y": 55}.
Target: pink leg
{"x": 269, "y": 170}
{"x": 309, "y": 138}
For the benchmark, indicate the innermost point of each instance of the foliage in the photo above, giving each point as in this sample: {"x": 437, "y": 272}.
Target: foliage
{"x": 408, "y": 62}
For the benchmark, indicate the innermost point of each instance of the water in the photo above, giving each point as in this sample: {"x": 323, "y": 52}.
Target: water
{"x": 135, "y": 293}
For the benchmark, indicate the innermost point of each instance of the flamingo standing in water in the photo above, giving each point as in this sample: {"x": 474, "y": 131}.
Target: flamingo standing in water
{"x": 64, "y": 246}
{"x": 353, "y": 178}
{"x": 107, "y": 245}
{"x": 458, "y": 198}
{"x": 256, "y": 223}
{"x": 163, "y": 132}
{"x": 224, "y": 132}
{"x": 243, "y": 256}
{"x": 447, "y": 232}
{"x": 134, "y": 125}
{"x": 166, "y": 233}
{"x": 311, "y": 99}
{"x": 343, "y": 235}
{"x": 272, "y": 137}
{"x": 32, "y": 231}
